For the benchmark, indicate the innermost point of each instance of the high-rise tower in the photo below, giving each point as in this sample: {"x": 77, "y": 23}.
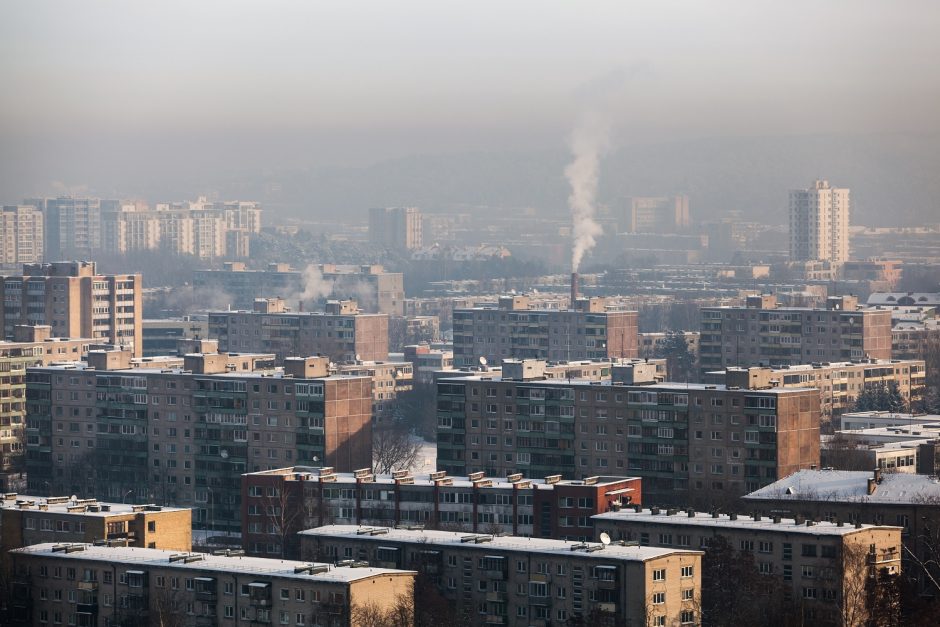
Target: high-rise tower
{"x": 819, "y": 223}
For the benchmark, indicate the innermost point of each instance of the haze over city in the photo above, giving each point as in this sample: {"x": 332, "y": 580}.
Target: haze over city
{"x": 451, "y": 314}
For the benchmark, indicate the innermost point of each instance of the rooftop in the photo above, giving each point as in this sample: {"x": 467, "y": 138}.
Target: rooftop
{"x": 726, "y": 521}
{"x": 665, "y": 387}
{"x": 491, "y": 543}
{"x": 205, "y": 562}
{"x": 77, "y": 507}
{"x": 850, "y": 486}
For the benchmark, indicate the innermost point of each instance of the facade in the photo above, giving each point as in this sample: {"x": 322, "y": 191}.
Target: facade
{"x": 124, "y": 587}
{"x": 374, "y": 289}
{"x": 341, "y": 332}
{"x": 762, "y": 333}
{"x": 396, "y": 227}
{"x": 681, "y": 439}
{"x": 32, "y": 346}
{"x": 819, "y": 223}
{"x": 75, "y": 301}
{"x": 21, "y": 235}
{"x": 425, "y": 361}
{"x": 161, "y": 337}
{"x": 656, "y": 215}
{"x": 826, "y": 564}
{"x": 389, "y": 380}
{"x": 507, "y": 580}
{"x": 183, "y": 436}
{"x": 839, "y": 384}
{"x": 312, "y": 497}
{"x": 513, "y": 330}
{"x": 411, "y": 330}
{"x": 650, "y": 343}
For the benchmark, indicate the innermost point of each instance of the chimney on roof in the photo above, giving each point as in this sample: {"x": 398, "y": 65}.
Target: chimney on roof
{"x": 574, "y": 289}
{"x": 872, "y": 484}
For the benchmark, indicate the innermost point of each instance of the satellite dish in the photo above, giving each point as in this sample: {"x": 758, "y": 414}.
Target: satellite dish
{"x": 482, "y": 361}
{"x": 358, "y": 357}
{"x": 223, "y": 453}
{"x": 605, "y": 539}
{"x": 74, "y": 497}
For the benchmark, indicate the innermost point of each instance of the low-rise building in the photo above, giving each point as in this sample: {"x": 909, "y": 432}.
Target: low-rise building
{"x": 307, "y": 497}
{"x": 827, "y": 564}
{"x": 137, "y": 586}
{"x": 506, "y": 580}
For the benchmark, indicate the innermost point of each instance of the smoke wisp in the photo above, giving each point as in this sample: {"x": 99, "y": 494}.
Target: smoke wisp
{"x": 588, "y": 142}
{"x": 315, "y": 286}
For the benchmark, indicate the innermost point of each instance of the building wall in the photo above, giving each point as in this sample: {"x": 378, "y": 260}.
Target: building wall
{"x": 819, "y": 223}
{"x": 21, "y": 235}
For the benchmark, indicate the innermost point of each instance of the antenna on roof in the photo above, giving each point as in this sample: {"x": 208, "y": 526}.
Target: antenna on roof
{"x": 605, "y": 538}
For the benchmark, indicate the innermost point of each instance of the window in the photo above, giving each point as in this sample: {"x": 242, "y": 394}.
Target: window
{"x": 809, "y": 550}
{"x": 688, "y": 571}
{"x": 809, "y": 593}
{"x": 688, "y": 594}
{"x": 659, "y": 574}
{"x": 659, "y": 598}
{"x": 687, "y": 617}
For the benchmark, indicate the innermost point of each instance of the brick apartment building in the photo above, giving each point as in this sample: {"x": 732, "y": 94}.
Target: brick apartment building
{"x": 184, "y": 436}
{"x": 311, "y": 497}
{"x": 826, "y": 565}
{"x": 681, "y": 439}
{"x": 31, "y": 346}
{"x": 762, "y": 333}
{"x": 124, "y": 587}
{"x": 513, "y": 330}
{"x": 341, "y": 332}
{"x": 839, "y": 384}
{"x": 76, "y": 301}
{"x": 376, "y": 290}
{"x": 507, "y": 580}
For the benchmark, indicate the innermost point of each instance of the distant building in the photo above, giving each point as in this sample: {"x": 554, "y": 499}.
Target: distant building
{"x": 819, "y": 223}
{"x": 667, "y": 214}
{"x": 839, "y": 383}
{"x": 513, "y": 330}
{"x": 21, "y": 235}
{"x": 72, "y": 225}
{"x": 341, "y": 332}
{"x": 396, "y": 227}
{"x": 142, "y": 586}
{"x": 374, "y": 289}
{"x": 525, "y": 581}
{"x": 161, "y": 336}
{"x": 310, "y": 497}
{"x": 763, "y": 333}
{"x": 390, "y": 379}
{"x": 75, "y": 301}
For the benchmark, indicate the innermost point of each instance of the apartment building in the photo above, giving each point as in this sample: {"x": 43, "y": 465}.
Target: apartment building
{"x": 341, "y": 332}
{"x": 827, "y": 565}
{"x": 396, "y": 227}
{"x": 72, "y": 226}
{"x": 819, "y": 223}
{"x": 390, "y": 379}
{"x": 27, "y": 520}
{"x": 311, "y": 497}
{"x": 763, "y": 333}
{"x": 908, "y": 501}
{"x": 839, "y": 383}
{"x": 513, "y": 330}
{"x": 681, "y": 439}
{"x": 183, "y": 436}
{"x": 656, "y": 215}
{"x": 76, "y": 301}
{"x": 21, "y": 235}
{"x": 160, "y": 336}
{"x": 82, "y": 584}
{"x": 208, "y": 230}
{"x": 32, "y": 346}
{"x": 508, "y": 580}
{"x": 374, "y": 289}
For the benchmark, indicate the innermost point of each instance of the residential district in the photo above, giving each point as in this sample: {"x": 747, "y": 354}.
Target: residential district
{"x": 405, "y": 422}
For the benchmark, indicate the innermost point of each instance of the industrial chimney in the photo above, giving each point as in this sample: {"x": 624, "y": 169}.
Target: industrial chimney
{"x": 574, "y": 289}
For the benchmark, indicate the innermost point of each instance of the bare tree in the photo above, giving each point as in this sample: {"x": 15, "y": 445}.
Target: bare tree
{"x": 394, "y": 449}
{"x": 283, "y": 518}
{"x": 371, "y": 614}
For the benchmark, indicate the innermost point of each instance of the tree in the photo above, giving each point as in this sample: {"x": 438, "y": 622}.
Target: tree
{"x": 394, "y": 448}
{"x": 680, "y": 360}
{"x": 880, "y": 398}
{"x": 284, "y": 517}
{"x": 371, "y": 614}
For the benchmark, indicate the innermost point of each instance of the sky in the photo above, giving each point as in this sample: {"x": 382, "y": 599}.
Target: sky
{"x": 107, "y": 91}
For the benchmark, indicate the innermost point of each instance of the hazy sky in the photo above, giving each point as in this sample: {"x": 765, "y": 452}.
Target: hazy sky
{"x": 93, "y": 86}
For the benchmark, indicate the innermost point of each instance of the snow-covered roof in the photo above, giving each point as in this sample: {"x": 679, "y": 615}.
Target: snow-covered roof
{"x": 851, "y": 486}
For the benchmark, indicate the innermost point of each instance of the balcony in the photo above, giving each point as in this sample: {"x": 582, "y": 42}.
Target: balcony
{"x": 497, "y": 597}
{"x": 609, "y": 608}
{"x": 493, "y": 619}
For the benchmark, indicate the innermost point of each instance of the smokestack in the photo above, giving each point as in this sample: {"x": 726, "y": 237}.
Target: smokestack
{"x": 574, "y": 289}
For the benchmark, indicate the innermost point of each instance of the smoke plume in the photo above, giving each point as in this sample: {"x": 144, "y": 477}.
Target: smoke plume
{"x": 588, "y": 142}
{"x": 315, "y": 286}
